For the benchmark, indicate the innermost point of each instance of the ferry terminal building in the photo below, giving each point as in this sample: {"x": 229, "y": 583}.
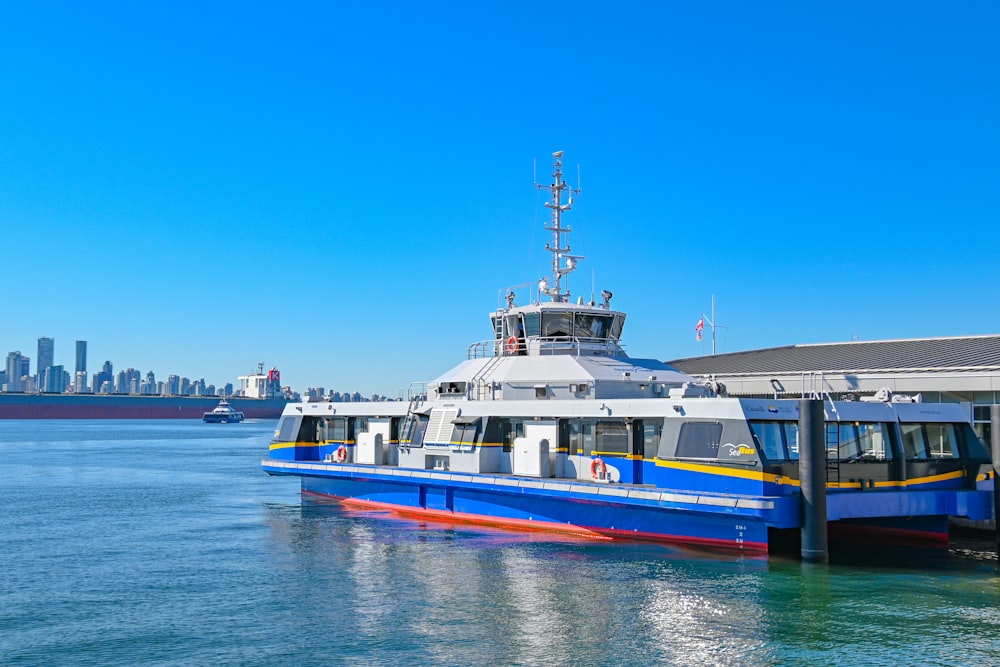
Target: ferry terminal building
{"x": 959, "y": 369}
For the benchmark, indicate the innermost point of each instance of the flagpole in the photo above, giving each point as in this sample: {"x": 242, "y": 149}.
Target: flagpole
{"x": 713, "y": 325}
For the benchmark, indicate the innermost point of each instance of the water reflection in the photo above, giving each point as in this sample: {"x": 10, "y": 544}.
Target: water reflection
{"x": 367, "y": 585}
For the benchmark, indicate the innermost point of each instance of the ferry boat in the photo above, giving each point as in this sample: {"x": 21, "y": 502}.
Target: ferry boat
{"x": 549, "y": 425}
{"x": 223, "y": 413}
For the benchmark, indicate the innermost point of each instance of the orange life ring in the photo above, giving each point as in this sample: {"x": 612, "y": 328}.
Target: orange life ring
{"x": 512, "y": 345}
{"x": 341, "y": 454}
{"x": 598, "y": 470}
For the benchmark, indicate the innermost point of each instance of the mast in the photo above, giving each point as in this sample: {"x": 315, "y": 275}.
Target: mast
{"x": 556, "y": 247}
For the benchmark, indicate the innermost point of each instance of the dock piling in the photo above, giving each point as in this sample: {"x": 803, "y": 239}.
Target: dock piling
{"x": 812, "y": 479}
{"x": 995, "y": 447}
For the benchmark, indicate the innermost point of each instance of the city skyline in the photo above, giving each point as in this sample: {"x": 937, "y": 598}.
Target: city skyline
{"x": 94, "y": 382}
{"x": 347, "y": 198}
{"x": 136, "y": 381}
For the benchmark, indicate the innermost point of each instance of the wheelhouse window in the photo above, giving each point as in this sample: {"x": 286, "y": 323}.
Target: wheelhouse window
{"x": 858, "y": 441}
{"x": 287, "y": 429}
{"x": 617, "y": 326}
{"x": 532, "y": 324}
{"x": 593, "y": 326}
{"x": 930, "y": 441}
{"x": 779, "y": 440}
{"x": 557, "y": 325}
{"x": 699, "y": 440}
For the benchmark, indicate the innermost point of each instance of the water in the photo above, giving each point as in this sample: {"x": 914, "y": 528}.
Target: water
{"x": 162, "y": 543}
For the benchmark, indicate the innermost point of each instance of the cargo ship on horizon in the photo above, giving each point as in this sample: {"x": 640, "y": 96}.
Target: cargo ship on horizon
{"x": 261, "y": 398}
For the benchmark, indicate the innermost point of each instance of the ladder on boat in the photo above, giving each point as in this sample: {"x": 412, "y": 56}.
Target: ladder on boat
{"x": 480, "y": 388}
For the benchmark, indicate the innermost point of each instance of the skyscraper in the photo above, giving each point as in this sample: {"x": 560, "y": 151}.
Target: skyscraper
{"x": 81, "y": 356}
{"x": 46, "y": 356}
{"x": 17, "y": 365}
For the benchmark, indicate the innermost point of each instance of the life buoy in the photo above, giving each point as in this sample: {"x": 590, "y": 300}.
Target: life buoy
{"x": 341, "y": 454}
{"x": 512, "y": 345}
{"x": 598, "y": 470}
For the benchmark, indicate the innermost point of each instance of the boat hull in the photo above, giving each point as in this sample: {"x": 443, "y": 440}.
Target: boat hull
{"x": 583, "y": 509}
{"x": 733, "y": 523}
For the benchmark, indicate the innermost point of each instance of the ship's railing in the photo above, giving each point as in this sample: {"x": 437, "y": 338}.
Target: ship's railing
{"x": 417, "y": 392}
{"x": 546, "y": 345}
{"x": 483, "y": 349}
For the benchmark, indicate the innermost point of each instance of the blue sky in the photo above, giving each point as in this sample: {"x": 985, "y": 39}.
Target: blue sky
{"x": 341, "y": 189}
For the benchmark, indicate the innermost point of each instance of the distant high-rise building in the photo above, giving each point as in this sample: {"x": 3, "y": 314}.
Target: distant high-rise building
{"x": 81, "y": 356}
{"x": 56, "y": 380}
{"x": 80, "y": 382}
{"x": 104, "y": 381}
{"x": 46, "y": 356}
{"x": 17, "y": 367}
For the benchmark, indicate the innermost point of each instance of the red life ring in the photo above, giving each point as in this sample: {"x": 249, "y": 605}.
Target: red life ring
{"x": 598, "y": 470}
{"x": 341, "y": 454}
{"x": 512, "y": 345}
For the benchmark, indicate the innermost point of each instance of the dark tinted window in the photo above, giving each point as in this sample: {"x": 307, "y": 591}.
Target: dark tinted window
{"x": 287, "y": 428}
{"x": 699, "y": 440}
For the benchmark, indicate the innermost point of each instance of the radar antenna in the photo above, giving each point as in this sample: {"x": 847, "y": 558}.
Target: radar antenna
{"x": 559, "y": 251}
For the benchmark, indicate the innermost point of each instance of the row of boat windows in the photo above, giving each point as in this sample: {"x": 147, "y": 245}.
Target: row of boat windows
{"x": 861, "y": 441}
{"x": 561, "y": 325}
{"x": 777, "y": 441}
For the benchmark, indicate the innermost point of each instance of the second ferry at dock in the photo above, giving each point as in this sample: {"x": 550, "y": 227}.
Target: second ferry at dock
{"x": 550, "y": 425}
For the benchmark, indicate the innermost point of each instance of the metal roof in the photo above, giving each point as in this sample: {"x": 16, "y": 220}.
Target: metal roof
{"x": 917, "y": 355}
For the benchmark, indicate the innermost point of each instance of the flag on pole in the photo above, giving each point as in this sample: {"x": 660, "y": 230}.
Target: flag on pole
{"x": 699, "y": 327}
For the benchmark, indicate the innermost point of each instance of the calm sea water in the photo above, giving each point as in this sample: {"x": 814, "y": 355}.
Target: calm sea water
{"x": 162, "y": 543}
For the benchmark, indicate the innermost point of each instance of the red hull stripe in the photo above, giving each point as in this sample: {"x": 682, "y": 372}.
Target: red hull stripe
{"x": 547, "y": 526}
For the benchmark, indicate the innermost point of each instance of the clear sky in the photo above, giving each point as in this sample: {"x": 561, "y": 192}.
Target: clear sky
{"x": 342, "y": 189}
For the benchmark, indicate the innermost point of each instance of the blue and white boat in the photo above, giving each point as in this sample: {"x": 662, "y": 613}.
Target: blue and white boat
{"x": 549, "y": 425}
{"x": 223, "y": 413}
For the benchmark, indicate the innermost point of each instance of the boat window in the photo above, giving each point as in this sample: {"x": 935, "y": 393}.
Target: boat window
{"x": 974, "y": 447}
{"x": 557, "y": 325}
{"x": 359, "y": 425}
{"x": 532, "y": 324}
{"x": 651, "y": 430}
{"x": 770, "y": 439}
{"x": 337, "y": 429}
{"x": 929, "y": 441}
{"x": 593, "y": 326}
{"x": 610, "y": 437}
{"x": 779, "y": 440}
{"x": 451, "y": 388}
{"x": 857, "y": 441}
{"x": 465, "y": 434}
{"x": 617, "y": 326}
{"x": 417, "y": 429}
{"x": 286, "y": 429}
{"x": 576, "y": 436}
{"x": 495, "y": 321}
{"x": 699, "y": 440}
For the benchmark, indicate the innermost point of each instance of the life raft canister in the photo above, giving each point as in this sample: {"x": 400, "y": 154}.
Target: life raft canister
{"x": 598, "y": 470}
{"x": 341, "y": 454}
{"x": 512, "y": 345}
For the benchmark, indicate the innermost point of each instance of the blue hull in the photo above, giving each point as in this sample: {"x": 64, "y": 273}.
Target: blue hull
{"x": 563, "y": 506}
{"x": 730, "y": 522}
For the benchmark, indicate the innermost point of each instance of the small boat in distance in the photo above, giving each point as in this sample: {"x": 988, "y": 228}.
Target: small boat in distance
{"x": 223, "y": 413}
